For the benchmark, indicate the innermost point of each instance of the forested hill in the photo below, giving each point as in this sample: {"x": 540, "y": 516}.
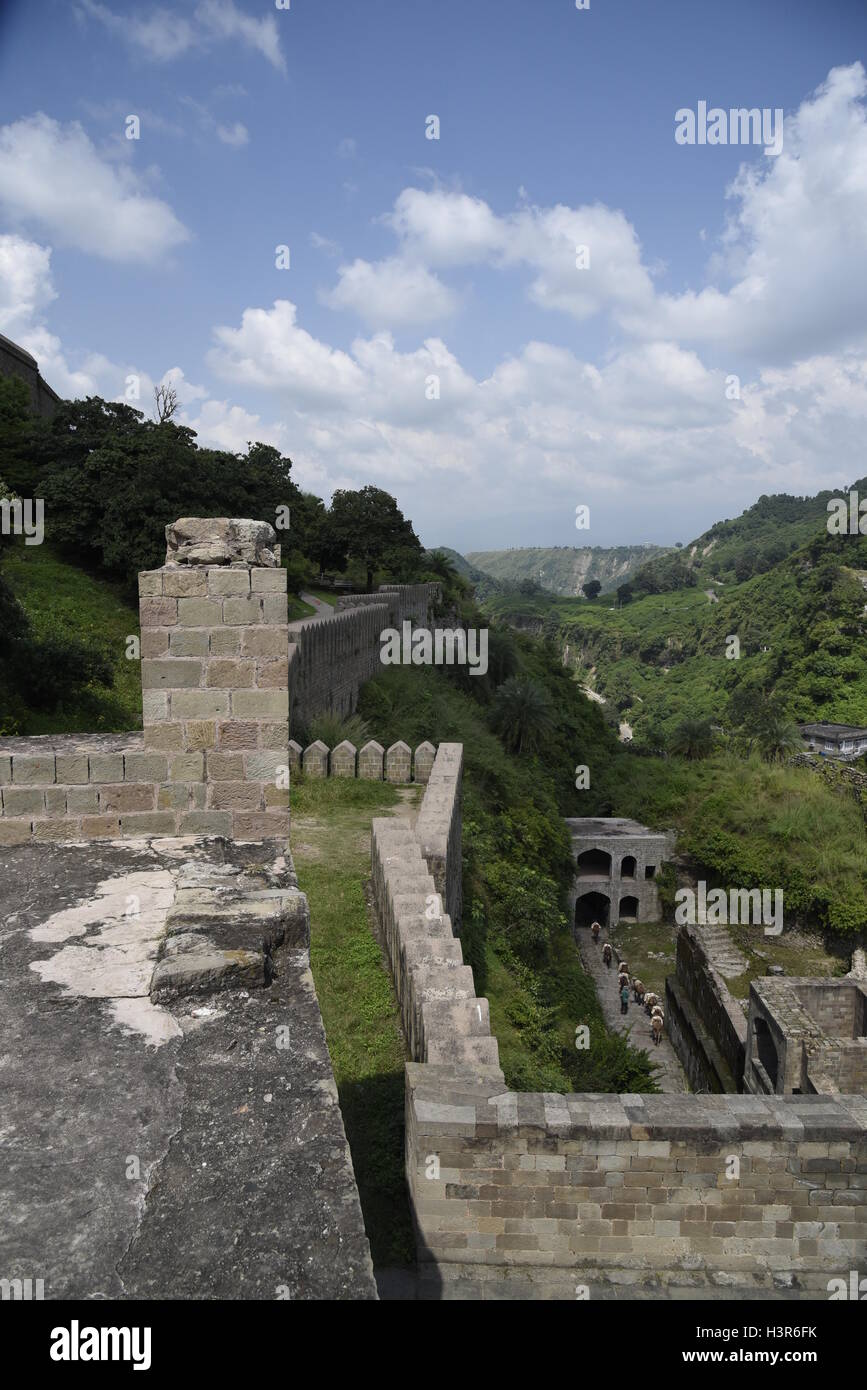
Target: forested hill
{"x": 563, "y": 569}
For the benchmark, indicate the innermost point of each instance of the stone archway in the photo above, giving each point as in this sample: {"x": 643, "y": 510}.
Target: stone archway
{"x": 592, "y": 907}
{"x": 593, "y": 863}
{"x": 627, "y": 866}
{"x": 628, "y": 910}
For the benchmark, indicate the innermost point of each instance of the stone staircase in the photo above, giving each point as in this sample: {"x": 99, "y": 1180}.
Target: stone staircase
{"x": 722, "y": 952}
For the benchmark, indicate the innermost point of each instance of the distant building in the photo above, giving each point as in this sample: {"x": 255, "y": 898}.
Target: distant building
{"x": 807, "y": 1037}
{"x": 14, "y": 361}
{"x": 835, "y": 740}
{"x": 616, "y": 863}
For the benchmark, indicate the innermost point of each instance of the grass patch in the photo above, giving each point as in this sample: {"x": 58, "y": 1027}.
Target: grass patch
{"x": 299, "y": 609}
{"x": 62, "y": 599}
{"x": 331, "y": 850}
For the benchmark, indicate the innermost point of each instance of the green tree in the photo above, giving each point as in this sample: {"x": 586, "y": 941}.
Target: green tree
{"x": 592, "y": 589}
{"x": 522, "y": 714}
{"x": 374, "y": 530}
{"x": 692, "y": 739}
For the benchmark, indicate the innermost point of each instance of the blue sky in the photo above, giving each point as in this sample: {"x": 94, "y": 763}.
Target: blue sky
{"x": 414, "y": 259}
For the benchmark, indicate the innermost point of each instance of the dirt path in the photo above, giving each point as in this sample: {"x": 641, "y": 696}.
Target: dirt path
{"x": 670, "y": 1077}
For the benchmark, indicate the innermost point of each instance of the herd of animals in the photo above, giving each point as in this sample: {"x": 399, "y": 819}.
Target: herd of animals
{"x": 642, "y": 996}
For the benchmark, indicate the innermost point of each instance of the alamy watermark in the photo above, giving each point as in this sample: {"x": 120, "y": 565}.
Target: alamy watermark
{"x": 441, "y": 647}
{"x": 737, "y": 126}
{"x": 738, "y": 907}
{"x": 25, "y": 518}
{"x": 847, "y": 516}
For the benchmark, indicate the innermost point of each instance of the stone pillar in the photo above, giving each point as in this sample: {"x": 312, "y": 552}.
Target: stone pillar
{"x": 215, "y": 686}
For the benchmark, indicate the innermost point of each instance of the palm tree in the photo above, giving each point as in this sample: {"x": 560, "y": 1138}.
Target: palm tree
{"x": 777, "y": 738}
{"x": 692, "y": 739}
{"x": 522, "y": 715}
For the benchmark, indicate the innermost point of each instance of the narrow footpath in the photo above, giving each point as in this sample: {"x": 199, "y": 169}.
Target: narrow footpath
{"x": 670, "y": 1077}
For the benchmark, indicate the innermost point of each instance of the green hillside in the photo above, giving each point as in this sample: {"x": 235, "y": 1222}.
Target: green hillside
{"x": 563, "y": 569}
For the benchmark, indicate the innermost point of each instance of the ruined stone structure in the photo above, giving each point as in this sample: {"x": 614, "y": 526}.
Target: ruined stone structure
{"x": 542, "y": 1196}
{"x": 215, "y": 706}
{"x": 616, "y": 863}
{"x": 15, "y": 361}
{"x": 331, "y": 658}
{"x": 372, "y": 763}
{"x": 807, "y": 1037}
{"x": 707, "y": 1026}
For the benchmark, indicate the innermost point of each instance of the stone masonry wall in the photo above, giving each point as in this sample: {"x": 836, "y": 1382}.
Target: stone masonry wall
{"x": 331, "y": 658}
{"x": 721, "y": 1016}
{"x": 544, "y": 1196}
{"x": 213, "y": 755}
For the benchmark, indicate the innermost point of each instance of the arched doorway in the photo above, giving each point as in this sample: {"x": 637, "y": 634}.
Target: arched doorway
{"x": 628, "y": 910}
{"x": 594, "y": 863}
{"x": 592, "y": 907}
{"x": 627, "y": 867}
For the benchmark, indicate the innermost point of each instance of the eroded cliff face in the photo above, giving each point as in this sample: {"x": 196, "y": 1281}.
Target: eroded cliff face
{"x": 563, "y": 570}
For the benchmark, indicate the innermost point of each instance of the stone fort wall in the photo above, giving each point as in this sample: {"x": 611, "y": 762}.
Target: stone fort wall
{"x": 14, "y": 361}
{"x": 561, "y": 1196}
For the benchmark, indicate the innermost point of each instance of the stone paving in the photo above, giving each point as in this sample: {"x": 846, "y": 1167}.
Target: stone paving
{"x": 670, "y": 1077}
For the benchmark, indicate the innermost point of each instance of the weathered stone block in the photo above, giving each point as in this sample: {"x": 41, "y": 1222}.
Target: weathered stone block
{"x": 237, "y": 734}
{"x": 294, "y": 755}
{"x": 276, "y": 796}
{"x": 55, "y": 802}
{"x": 206, "y": 823}
{"x": 170, "y": 675}
{"x": 230, "y": 675}
{"x": 200, "y": 733}
{"x": 106, "y": 767}
{"x": 226, "y": 641}
{"x": 188, "y": 641}
{"x": 155, "y": 641}
{"x": 71, "y": 767}
{"x": 371, "y": 761}
{"x": 150, "y": 583}
{"x": 173, "y": 796}
{"x": 272, "y": 674}
{"x": 260, "y": 704}
{"x": 225, "y": 767}
{"x": 268, "y": 581}
{"x": 128, "y": 796}
{"x": 184, "y": 583}
{"x": 23, "y": 801}
{"x": 14, "y": 832}
{"x": 164, "y": 738}
{"x": 155, "y": 823}
{"x": 144, "y": 767}
{"x": 100, "y": 827}
{"x": 154, "y": 706}
{"x": 200, "y": 612}
{"x": 33, "y": 771}
{"x": 158, "y": 612}
{"x": 220, "y": 540}
{"x": 275, "y": 608}
{"x": 5, "y": 768}
{"x": 60, "y": 829}
{"x": 261, "y": 825}
{"x": 199, "y": 704}
{"x": 235, "y": 796}
{"x": 264, "y": 641}
{"x": 82, "y": 801}
{"x": 228, "y": 582}
{"x": 273, "y": 735}
{"x": 187, "y": 767}
{"x": 265, "y": 766}
{"x": 237, "y": 612}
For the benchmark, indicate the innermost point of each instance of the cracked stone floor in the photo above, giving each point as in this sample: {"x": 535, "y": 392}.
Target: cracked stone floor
{"x": 192, "y": 1150}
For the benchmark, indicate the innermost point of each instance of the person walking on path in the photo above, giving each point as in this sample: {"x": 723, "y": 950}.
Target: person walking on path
{"x": 594, "y": 932}
{"x": 606, "y": 954}
{"x": 624, "y": 999}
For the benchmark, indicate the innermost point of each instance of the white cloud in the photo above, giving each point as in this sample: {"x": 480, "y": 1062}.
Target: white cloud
{"x": 391, "y": 293}
{"x": 52, "y": 175}
{"x": 164, "y": 35}
{"x": 25, "y": 283}
{"x": 236, "y": 135}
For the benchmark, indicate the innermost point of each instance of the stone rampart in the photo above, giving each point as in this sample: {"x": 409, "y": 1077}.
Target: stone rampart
{"x": 520, "y": 1195}
{"x": 722, "y": 1020}
{"x": 330, "y": 658}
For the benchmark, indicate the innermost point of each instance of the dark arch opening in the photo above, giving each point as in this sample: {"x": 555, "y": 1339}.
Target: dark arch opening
{"x": 627, "y": 867}
{"x": 628, "y": 909}
{"x": 592, "y": 907}
{"x": 594, "y": 863}
{"x": 767, "y": 1052}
